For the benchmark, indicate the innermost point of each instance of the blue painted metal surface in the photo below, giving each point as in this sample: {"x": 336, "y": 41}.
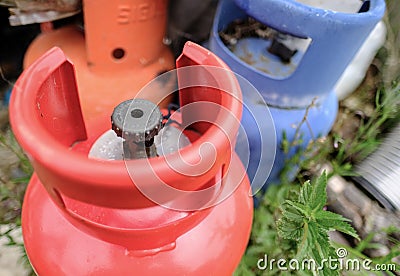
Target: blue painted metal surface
{"x": 290, "y": 88}
{"x": 336, "y": 37}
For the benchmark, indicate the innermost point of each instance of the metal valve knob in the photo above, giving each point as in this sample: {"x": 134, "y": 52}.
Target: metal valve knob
{"x": 137, "y": 121}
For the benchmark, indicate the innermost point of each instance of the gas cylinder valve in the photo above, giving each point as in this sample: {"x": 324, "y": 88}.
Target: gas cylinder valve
{"x": 137, "y": 121}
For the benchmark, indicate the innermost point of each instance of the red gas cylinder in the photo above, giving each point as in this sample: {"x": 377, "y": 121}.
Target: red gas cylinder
{"x": 120, "y": 49}
{"x": 185, "y": 213}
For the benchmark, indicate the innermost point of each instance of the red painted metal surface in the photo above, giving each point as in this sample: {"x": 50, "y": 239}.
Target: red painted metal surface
{"x": 119, "y": 50}
{"x": 84, "y": 216}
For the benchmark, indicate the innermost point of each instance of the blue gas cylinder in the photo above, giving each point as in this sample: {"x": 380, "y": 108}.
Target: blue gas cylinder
{"x": 297, "y": 91}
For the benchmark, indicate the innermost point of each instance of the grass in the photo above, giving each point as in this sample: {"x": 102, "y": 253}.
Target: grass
{"x": 12, "y": 190}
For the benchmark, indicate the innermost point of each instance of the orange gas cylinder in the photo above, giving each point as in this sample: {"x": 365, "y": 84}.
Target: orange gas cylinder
{"x": 184, "y": 213}
{"x": 120, "y": 49}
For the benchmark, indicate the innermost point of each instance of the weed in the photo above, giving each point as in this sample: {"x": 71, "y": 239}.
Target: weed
{"x": 305, "y": 222}
{"x": 12, "y": 192}
{"x": 368, "y": 134}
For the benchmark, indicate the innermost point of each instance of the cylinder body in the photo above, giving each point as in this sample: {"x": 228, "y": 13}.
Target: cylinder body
{"x": 299, "y": 94}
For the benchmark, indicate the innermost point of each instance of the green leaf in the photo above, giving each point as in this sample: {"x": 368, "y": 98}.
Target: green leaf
{"x": 305, "y": 193}
{"x": 291, "y": 212}
{"x": 327, "y": 216}
{"x": 288, "y": 229}
{"x": 301, "y": 208}
{"x": 333, "y": 221}
{"x": 318, "y": 196}
{"x": 306, "y": 223}
{"x": 319, "y": 241}
{"x": 285, "y": 144}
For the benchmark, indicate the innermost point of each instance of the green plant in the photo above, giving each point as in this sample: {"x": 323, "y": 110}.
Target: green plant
{"x": 305, "y": 222}
{"x": 291, "y": 223}
{"x": 343, "y": 153}
{"x": 367, "y": 136}
{"x": 12, "y": 190}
